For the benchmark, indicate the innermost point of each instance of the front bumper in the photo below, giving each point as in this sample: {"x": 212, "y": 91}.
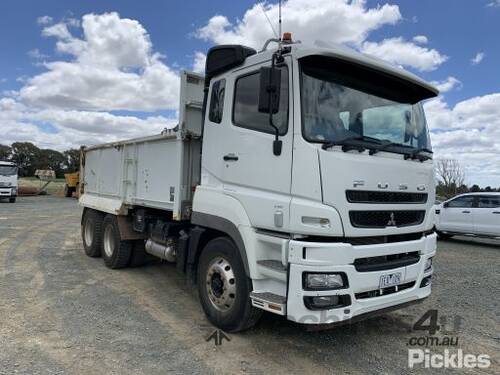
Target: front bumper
{"x": 339, "y": 257}
{"x": 7, "y": 192}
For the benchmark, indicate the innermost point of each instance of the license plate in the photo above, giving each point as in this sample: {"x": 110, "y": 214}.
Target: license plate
{"x": 390, "y": 279}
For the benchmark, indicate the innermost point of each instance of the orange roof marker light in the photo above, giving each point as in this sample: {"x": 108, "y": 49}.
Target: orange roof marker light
{"x": 287, "y": 37}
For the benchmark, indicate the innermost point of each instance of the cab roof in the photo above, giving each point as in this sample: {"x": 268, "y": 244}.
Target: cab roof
{"x": 337, "y": 51}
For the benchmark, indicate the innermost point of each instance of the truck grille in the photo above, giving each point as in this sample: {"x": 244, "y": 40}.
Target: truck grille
{"x": 387, "y": 197}
{"x": 386, "y": 262}
{"x": 382, "y": 219}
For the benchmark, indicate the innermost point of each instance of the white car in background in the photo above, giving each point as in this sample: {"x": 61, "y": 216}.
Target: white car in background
{"x": 475, "y": 214}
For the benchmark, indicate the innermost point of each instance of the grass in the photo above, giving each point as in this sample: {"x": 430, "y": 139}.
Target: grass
{"x": 56, "y": 187}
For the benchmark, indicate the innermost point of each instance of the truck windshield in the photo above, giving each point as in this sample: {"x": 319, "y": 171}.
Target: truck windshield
{"x": 336, "y": 108}
{"x": 8, "y": 170}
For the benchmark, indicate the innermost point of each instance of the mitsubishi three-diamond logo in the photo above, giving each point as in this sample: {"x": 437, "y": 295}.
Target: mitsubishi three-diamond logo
{"x": 391, "y": 222}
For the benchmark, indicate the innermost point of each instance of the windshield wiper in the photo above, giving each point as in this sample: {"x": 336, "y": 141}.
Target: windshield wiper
{"x": 382, "y": 147}
{"x": 359, "y": 143}
{"x": 420, "y": 154}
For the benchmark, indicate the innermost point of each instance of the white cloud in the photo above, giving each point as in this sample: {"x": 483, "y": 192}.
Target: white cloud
{"x": 114, "y": 68}
{"x": 340, "y": 21}
{"x": 448, "y": 84}
{"x": 337, "y": 21}
{"x": 199, "y": 62}
{"x": 72, "y": 128}
{"x": 494, "y": 4}
{"x": 470, "y": 133}
{"x": 420, "y": 39}
{"x": 111, "y": 67}
{"x": 477, "y": 58}
{"x": 44, "y": 20}
{"x": 58, "y": 30}
{"x": 407, "y": 54}
{"x": 36, "y": 54}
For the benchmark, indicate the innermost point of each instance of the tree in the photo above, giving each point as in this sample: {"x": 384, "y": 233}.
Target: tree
{"x": 451, "y": 175}
{"x": 5, "y": 152}
{"x": 50, "y": 159}
{"x": 71, "y": 160}
{"x": 25, "y": 155}
{"x": 475, "y": 188}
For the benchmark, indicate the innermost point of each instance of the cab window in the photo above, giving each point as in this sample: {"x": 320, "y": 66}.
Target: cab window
{"x": 217, "y": 101}
{"x": 489, "y": 202}
{"x": 246, "y": 101}
{"x": 461, "y": 202}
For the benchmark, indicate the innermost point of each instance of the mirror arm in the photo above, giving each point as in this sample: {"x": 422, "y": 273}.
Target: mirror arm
{"x": 277, "y": 144}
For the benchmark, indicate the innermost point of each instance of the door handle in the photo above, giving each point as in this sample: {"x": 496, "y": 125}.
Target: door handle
{"x": 466, "y": 212}
{"x": 496, "y": 212}
{"x": 230, "y": 157}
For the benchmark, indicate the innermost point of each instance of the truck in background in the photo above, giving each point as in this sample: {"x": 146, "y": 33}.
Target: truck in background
{"x": 8, "y": 181}
{"x": 299, "y": 181}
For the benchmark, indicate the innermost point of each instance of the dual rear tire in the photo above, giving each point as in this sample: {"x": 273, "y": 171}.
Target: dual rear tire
{"x": 101, "y": 237}
{"x": 223, "y": 285}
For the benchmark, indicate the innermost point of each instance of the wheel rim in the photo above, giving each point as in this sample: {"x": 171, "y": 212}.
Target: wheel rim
{"x": 221, "y": 284}
{"x": 109, "y": 241}
{"x": 89, "y": 232}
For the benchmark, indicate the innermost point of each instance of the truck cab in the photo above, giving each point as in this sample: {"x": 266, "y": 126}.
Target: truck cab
{"x": 311, "y": 197}
{"x": 8, "y": 181}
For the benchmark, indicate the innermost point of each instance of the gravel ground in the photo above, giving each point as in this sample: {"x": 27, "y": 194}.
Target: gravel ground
{"x": 63, "y": 312}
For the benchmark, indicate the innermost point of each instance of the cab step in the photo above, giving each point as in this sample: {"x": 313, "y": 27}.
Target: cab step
{"x": 269, "y": 302}
{"x": 272, "y": 268}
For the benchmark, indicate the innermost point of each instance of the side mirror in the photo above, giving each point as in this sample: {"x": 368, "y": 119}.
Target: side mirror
{"x": 269, "y": 91}
{"x": 446, "y": 204}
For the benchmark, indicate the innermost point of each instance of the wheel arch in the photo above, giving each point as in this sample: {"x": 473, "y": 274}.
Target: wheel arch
{"x": 209, "y": 227}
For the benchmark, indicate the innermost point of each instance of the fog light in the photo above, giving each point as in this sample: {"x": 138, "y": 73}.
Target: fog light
{"x": 428, "y": 265}
{"x": 327, "y": 302}
{"x": 324, "y": 281}
{"x": 14, "y": 191}
{"x": 426, "y": 281}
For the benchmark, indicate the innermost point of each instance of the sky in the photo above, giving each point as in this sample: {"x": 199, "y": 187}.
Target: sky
{"x": 87, "y": 72}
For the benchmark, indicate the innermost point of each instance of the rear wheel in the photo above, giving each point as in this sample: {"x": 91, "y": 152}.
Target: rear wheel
{"x": 68, "y": 191}
{"x": 224, "y": 287}
{"x": 92, "y": 233}
{"x": 115, "y": 251}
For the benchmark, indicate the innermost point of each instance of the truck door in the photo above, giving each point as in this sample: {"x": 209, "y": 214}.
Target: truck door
{"x": 249, "y": 170}
{"x": 487, "y": 215}
{"x": 456, "y": 216}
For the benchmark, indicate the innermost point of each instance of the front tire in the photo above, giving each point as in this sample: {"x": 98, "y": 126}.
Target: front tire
{"x": 224, "y": 287}
{"x": 92, "y": 233}
{"x": 68, "y": 191}
{"x": 115, "y": 251}
{"x": 12, "y": 200}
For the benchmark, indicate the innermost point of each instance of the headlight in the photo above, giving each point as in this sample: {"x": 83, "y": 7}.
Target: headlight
{"x": 325, "y": 281}
{"x": 428, "y": 265}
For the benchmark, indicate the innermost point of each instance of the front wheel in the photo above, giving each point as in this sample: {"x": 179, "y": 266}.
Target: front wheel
{"x": 224, "y": 287}
{"x": 68, "y": 191}
{"x": 12, "y": 200}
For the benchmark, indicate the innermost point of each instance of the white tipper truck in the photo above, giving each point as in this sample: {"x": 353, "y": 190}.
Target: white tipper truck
{"x": 8, "y": 181}
{"x": 298, "y": 181}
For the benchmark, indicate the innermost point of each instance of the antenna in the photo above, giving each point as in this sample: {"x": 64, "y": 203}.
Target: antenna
{"x": 268, "y": 20}
{"x": 280, "y": 41}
